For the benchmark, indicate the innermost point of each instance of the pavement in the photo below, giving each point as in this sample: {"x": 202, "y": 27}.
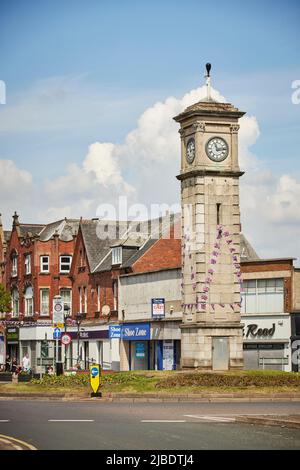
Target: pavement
{"x": 96, "y": 424}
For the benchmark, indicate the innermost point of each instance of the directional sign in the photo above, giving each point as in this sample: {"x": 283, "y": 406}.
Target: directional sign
{"x": 56, "y": 333}
{"x": 95, "y": 377}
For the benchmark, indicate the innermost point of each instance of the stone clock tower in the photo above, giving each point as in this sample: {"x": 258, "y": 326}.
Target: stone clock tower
{"x": 211, "y": 332}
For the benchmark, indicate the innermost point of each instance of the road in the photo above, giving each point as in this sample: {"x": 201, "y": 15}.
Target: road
{"x": 50, "y": 425}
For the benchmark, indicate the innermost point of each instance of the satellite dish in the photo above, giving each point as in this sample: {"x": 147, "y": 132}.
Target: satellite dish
{"x": 105, "y": 310}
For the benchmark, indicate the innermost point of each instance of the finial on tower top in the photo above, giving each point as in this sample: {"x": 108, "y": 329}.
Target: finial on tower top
{"x": 207, "y": 76}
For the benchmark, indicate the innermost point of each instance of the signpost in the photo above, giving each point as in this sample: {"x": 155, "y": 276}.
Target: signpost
{"x": 95, "y": 373}
{"x": 58, "y": 318}
{"x": 58, "y": 321}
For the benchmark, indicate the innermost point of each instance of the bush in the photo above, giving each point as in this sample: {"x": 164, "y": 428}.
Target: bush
{"x": 81, "y": 380}
{"x": 255, "y": 379}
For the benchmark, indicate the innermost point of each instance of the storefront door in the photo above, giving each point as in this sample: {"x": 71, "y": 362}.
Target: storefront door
{"x": 220, "y": 353}
{"x": 139, "y": 355}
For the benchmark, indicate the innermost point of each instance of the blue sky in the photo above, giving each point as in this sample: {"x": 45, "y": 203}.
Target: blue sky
{"x": 79, "y": 72}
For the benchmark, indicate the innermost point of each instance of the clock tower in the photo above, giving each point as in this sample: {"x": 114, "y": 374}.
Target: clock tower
{"x": 211, "y": 330}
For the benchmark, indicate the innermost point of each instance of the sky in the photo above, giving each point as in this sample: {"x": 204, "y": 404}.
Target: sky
{"x": 92, "y": 86}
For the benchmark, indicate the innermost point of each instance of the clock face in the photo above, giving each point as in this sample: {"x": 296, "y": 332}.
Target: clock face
{"x": 190, "y": 150}
{"x": 216, "y": 149}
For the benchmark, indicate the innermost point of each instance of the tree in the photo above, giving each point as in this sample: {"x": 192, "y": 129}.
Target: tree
{"x": 5, "y": 300}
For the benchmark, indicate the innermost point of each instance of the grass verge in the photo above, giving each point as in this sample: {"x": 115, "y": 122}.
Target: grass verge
{"x": 162, "y": 382}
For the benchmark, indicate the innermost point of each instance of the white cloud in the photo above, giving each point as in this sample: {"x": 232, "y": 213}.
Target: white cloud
{"x": 144, "y": 166}
{"x": 12, "y": 177}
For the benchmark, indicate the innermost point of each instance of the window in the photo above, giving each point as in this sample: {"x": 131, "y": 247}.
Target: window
{"x": 65, "y": 263}
{"x": 44, "y": 264}
{"x": 117, "y": 255}
{"x": 98, "y": 298}
{"x": 66, "y": 295}
{"x": 80, "y": 298}
{"x": 85, "y": 299}
{"x": 44, "y": 301}
{"x": 27, "y": 264}
{"x": 263, "y": 296}
{"x": 115, "y": 294}
{"x": 15, "y": 302}
{"x": 29, "y": 301}
{"x": 14, "y": 270}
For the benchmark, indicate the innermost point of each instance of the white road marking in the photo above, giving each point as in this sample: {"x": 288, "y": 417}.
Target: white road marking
{"x": 71, "y": 420}
{"x": 163, "y": 421}
{"x": 4, "y": 420}
{"x": 222, "y": 419}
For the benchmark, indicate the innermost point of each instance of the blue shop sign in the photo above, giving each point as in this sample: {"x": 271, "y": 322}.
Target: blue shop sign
{"x": 135, "y": 331}
{"x": 115, "y": 331}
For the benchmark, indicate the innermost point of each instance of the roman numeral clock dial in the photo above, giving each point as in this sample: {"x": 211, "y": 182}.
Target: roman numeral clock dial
{"x": 216, "y": 149}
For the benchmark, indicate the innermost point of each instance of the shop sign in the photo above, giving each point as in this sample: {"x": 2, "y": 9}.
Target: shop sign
{"x": 158, "y": 308}
{"x": 89, "y": 334}
{"x": 115, "y": 331}
{"x": 135, "y": 331}
{"x": 12, "y": 335}
{"x": 254, "y": 332}
{"x": 140, "y": 351}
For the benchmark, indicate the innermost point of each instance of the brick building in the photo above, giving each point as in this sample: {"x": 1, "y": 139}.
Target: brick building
{"x": 37, "y": 267}
{"x": 104, "y": 251}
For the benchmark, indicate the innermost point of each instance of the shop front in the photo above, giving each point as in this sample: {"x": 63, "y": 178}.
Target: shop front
{"x": 37, "y": 341}
{"x": 150, "y": 346}
{"x": 266, "y": 342}
{"x": 92, "y": 344}
{"x": 12, "y": 343}
{"x": 166, "y": 338}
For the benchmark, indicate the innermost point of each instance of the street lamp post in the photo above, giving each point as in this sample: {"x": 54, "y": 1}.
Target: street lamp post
{"x": 66, "y": 315}
{"x": 79, "y": 318}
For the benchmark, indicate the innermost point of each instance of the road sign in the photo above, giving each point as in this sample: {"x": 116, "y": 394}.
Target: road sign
{"x": 56, "y": 333}
{"x": 95, "y": 371}
{"x": 66, "y": 339}
{"x": 58, "y": 318}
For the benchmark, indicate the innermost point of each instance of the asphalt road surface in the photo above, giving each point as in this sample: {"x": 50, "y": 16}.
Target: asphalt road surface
{"x": 50, "y": 425}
